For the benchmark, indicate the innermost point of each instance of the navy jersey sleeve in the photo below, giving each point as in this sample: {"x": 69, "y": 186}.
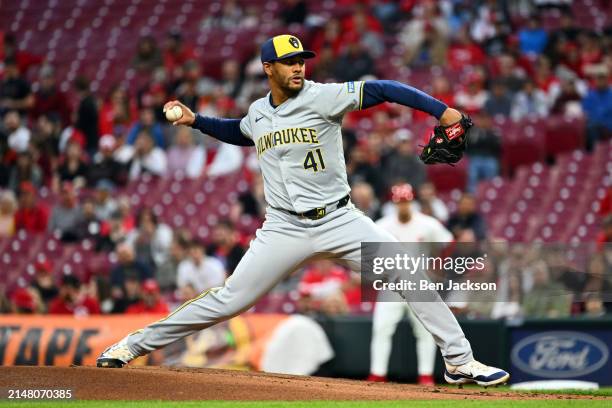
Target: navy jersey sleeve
{"x": 379, "y": 91}
{"x": 225, "y": 130}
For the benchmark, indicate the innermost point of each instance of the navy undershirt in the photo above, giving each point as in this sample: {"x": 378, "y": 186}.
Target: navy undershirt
{"x": 374, "y": 93}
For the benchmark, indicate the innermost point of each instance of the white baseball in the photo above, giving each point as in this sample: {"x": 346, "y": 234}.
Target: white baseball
{"x": 174, "y": 113}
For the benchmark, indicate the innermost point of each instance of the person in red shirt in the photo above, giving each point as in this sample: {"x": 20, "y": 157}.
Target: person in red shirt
{"x": 464, "y": 52}
{"x": 24, "y": 59}
{"x": 328, "y": 288}
{"x": 49, "y": 99}
{"x": 151, "y": 301}
{"x": 30, "y": 216}
{"x": 176, "y": 53}
{"x": 72, "y": 301}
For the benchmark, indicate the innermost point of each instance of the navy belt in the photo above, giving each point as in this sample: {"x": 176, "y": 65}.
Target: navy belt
{"x": 320, "y": 212}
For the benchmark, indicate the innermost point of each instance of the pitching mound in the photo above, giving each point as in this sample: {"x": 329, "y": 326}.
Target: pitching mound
{"x": 161, "y": 383}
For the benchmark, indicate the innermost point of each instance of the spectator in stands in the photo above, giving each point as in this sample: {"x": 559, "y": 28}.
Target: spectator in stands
{"x": 231, "y": 78}
{"x": 199, "y": 270}
{"x": 112, "y": 232}
{"x": 105, "y": 167}
{"x": 294, "y": 11}
{"x": 225, "y": 246}
{"x": 117, "y": 112}
{"x": 147, "y": 122}
{"x": 252, "y": 202}
{"x": 86, "y": 120}
{"x": 499, "y": 100}
{"x": 361, "y": 169}
{"x": 184, "y": 157}
{"x": 146, "y": 157}
{"x": 18, "y": 133}
{"x": 568, "y": 102}
{"x": 566, "y": 32}
{"x": 509, "y": 307}
{"x": 25, "y": 301}
{"x": 176, "y": 53}
{"x": 15, "y": 92}
{"x": 151, "y": 301}
{"x": 484, "y": 151}
{"x": 23, "y": 58}
{"x": 128, "y": 268}
{"x": 529, "y": 102}
{"x": 362, "y": 195}
{"x": 228, "y": 159}
{"x": 467, "y": 217}
{"x": 49, "y": 99}
{"x": 66, "y": 216}
{"x": 151, "y": 239}
{"x": 31, "y": 216}
{"x": 403, "y": 163}
{"x": 329, "y": 37}
{"x": 533, "y": 37}
{"x": 370, "y": 39}
{"x": 91, "y": 226}
{"x": 148, "y": 56}
{"x": 425, "y": 37}
{"x": 328, "y": 288}
{"x": 594, "y": 305}
{"x": 165, "y": 274}
{"x": 105, "y": 204}
{"x": 428, "y": 203}
{"x": 605, "y": 235}
{"x": 509, "y": 72}
{"x": 8, "y": 210}
{"x": 45, "y": 139}
{"x": 547, "y": 298}
{"x": 73, "y": 167}
{"x": 72, "y": 300}
{"x": 599, "y": 280}
{"x": 25, "y": 170}
{"x": 597, "y": 105}
{"x": 473, "y": 96}
{"x": 44, "y": 282}
{"x": 5, "y": 305}
{"x": 464, "y": 52}
{"x": 354, "y": 62}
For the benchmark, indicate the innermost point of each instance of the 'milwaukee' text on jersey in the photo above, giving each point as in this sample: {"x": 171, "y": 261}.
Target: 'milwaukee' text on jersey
{"x": 285, "y": 137}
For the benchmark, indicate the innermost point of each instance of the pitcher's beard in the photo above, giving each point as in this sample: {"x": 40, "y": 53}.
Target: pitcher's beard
{"x": 291, "y": 92}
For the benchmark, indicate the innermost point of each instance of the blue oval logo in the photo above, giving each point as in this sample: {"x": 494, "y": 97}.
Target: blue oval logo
{"x": 560, "y": 354}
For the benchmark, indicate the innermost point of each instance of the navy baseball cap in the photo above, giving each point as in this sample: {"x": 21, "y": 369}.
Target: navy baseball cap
{"x": 283, "y": 46}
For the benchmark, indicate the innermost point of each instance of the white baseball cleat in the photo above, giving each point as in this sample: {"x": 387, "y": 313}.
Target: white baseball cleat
{"x": 116, "y": 356}
{"x": 475, "y": 372}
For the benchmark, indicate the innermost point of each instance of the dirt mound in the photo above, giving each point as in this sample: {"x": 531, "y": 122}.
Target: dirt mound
{"x": 162, "y": 383}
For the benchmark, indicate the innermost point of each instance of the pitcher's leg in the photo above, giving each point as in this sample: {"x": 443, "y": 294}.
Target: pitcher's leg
{"x": 271, "y": 256}
{"x": 425, "y": 347}
{"x": 435, "y": 316}
{"x": 385, "y": 318}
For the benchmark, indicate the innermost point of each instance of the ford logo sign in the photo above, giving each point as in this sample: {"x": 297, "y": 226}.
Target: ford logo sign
{"x": 560, "y": 354}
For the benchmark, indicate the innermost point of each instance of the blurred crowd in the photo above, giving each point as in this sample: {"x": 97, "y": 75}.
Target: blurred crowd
{"x": 495, "y": 60}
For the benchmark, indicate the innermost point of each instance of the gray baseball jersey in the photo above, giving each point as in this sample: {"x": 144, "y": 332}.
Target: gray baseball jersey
{"x": 299, "y": 144}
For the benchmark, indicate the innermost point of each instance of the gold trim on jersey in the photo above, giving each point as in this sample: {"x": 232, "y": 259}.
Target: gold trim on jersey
{"x": 361, "y": 94}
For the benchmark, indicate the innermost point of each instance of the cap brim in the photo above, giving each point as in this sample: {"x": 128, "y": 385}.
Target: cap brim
{"x": 304, "y": 54}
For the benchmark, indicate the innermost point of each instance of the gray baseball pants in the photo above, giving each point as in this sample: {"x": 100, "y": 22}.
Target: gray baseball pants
{"x": 284, "y": 243}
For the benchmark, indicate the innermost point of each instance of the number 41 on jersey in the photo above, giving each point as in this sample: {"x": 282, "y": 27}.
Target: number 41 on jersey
{"x": 312, "y": 162}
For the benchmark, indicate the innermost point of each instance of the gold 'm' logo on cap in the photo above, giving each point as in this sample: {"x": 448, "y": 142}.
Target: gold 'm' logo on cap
{"x": 285, "y": 44}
